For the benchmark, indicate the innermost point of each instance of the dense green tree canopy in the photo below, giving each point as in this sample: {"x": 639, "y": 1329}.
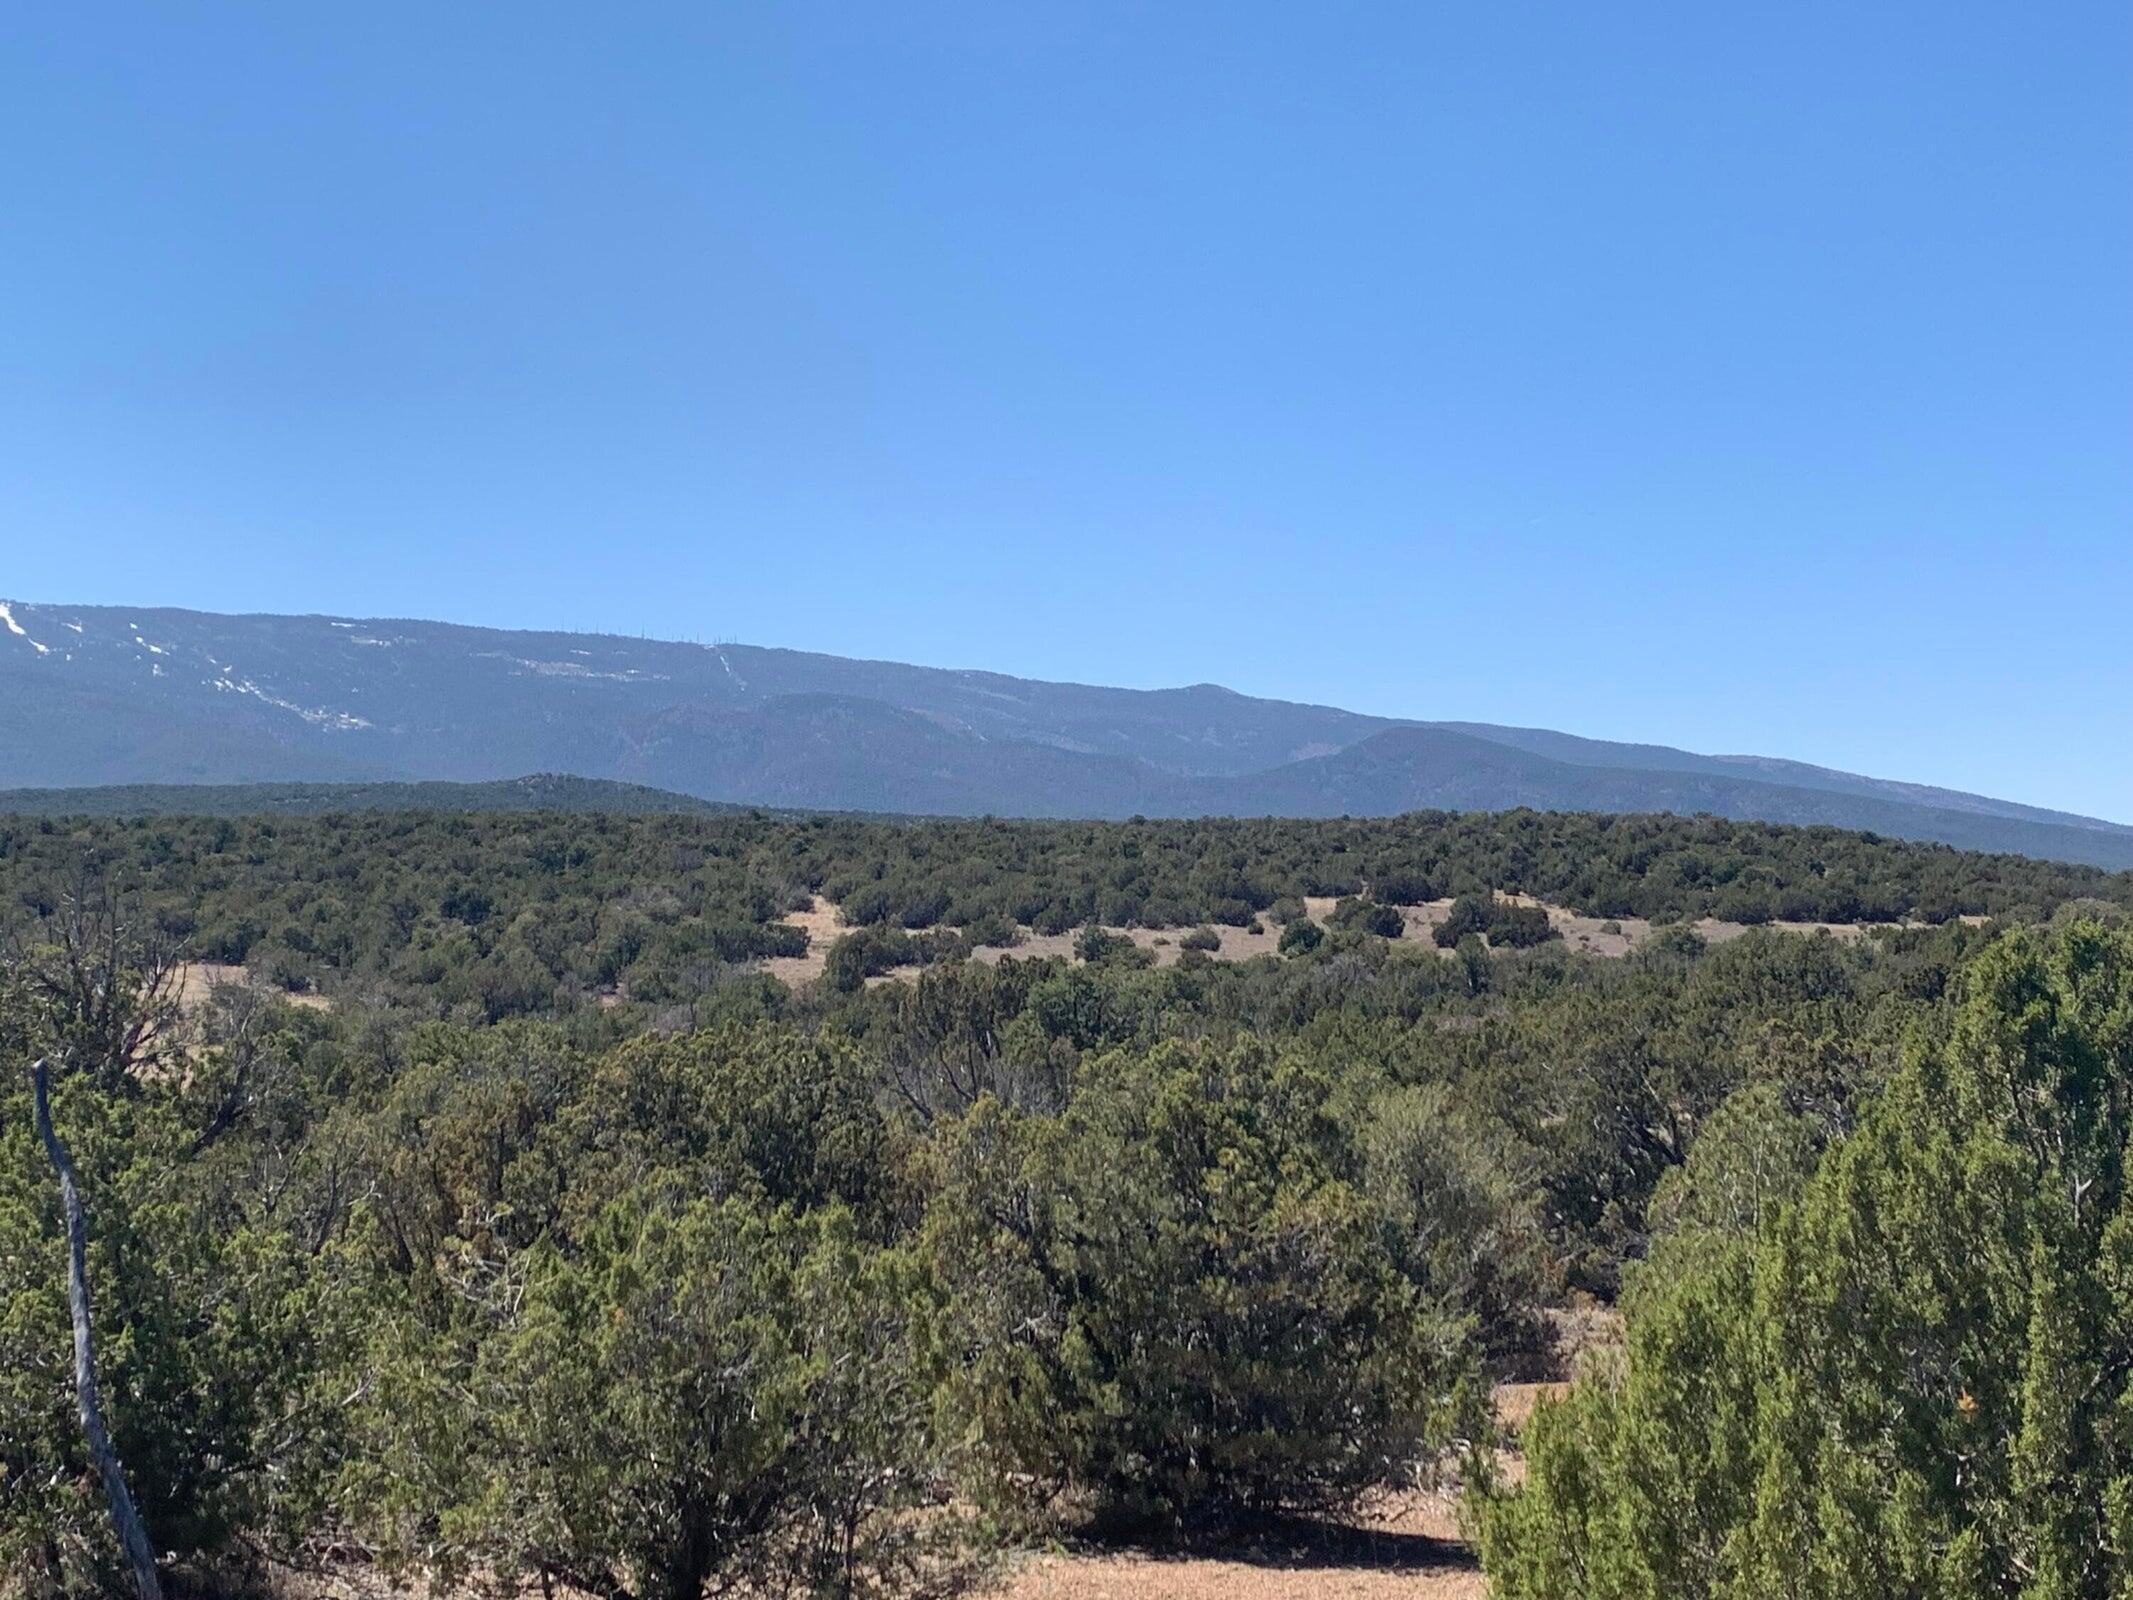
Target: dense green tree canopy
{"x": 485, "y": 916}
{"x": 559, "y": 1245}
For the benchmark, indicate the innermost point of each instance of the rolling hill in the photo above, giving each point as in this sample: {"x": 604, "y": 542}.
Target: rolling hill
{"x": 108, "y": 696}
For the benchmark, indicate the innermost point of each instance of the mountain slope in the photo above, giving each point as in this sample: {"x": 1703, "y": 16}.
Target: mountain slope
{"x": 102, "y": 695}
{"x": 1768, "y": 769}
{"x": 539, "y": 792}
{"x": 1435, "y": 768}
{"x": 840, "y": 752}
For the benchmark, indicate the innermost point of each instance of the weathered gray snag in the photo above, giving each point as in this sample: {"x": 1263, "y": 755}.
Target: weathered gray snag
{"x": 125, "y": 1521}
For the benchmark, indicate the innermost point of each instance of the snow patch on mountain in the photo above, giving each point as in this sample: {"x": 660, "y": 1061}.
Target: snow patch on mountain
{"x": 19, "y": 631}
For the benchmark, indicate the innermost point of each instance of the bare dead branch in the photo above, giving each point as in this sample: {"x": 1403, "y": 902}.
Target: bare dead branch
{"x": 125, "y": 1520}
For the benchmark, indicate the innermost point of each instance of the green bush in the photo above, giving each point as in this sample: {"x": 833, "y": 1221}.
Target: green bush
{"x": 1402, "y": 887}
{"x": 217, "y": 1328}
{"x": 1096, "y": 945}
{"x": 713, "y": 1395}
{"x": 868, "y": 952}
{"x": 1301, "y": 937}
{"x": 1469, "y": 914}
{"x": 1909, "y": 1382}
{"x": 1467, "y": 1234}
{"x": 1168, "y": 1300}
{"x": 993, "y": 929}
{"x": 1367, "y": 916}
{"x": 1507, "y": 924}
{"x": 1516, "y": 927}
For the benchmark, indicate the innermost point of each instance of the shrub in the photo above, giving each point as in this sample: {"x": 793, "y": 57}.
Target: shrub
{"x": 1468, "y": 1232}
{"x": 1507, "y": 923}
{"x": 214, "y": 1327}
{"x": 1301, "y": 937}
{"x": 1401, "y": 887}
{"x": 1513, "y": 926}
{"x": 1469, "y": 914}
{"x": 868, "y": 952}
{"x": 994, "y": 929}
{"x": 1097, "y": 945}
{"x": 1367, "y": 916}
{"x": 864, "y": 953}
{"x": 1169, "y": 1300}
{"x": 712, "y": 1395}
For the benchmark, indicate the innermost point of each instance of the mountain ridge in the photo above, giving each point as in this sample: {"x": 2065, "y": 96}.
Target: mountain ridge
{"x": 116, "y": 695}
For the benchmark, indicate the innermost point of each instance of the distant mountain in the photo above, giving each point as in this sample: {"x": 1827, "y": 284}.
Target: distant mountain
{"x": 98, "y": 695}
{"x": 541, "y": 792}
{"x": 1439, "y": 768}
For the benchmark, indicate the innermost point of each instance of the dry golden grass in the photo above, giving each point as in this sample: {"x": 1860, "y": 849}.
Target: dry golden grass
{"x": 198, "y": 979}
{"x": 822, "y": 924}
{"x": 1598, "y": 936}
{"x": 1363, "y": 1564}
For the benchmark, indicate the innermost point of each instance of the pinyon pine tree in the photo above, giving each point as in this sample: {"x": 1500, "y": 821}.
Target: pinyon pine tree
{"x": 1914, "y": 1380}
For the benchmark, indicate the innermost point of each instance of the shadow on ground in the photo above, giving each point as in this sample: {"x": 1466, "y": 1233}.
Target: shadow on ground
{"x": 1299, "y": 1544}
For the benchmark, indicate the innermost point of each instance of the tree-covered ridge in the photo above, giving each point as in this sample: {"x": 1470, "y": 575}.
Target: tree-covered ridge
{"x": 504, "y": 914}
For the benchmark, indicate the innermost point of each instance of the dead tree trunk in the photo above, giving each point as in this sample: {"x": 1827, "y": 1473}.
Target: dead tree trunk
{"x": 125, "y": 1521}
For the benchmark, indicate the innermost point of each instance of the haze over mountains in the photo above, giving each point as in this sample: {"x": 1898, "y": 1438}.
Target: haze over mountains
{"x": 98, "y": 695}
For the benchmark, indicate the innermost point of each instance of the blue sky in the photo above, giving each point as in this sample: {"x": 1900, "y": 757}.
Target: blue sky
{"x": 1745, "y": 378}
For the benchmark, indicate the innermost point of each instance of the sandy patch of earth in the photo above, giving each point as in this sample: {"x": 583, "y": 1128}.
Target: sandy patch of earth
{"x": 822, "y": 923}
{"x": 198, "y": 979}
{"x": 1434, "y": 1573}
{"x": 1611, "y": 937}
{"x": 1165, "y": 944}
{"x": 1406, "y": 1544}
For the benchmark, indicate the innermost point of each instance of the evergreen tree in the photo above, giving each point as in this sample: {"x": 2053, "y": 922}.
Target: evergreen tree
{"x": 1914, "y": 1380}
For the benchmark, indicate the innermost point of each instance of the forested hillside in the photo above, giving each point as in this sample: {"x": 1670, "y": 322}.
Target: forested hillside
{"x": 552, "y": 1245}
{"x": 143, "y": 697}
{"x": 517, "y": 913}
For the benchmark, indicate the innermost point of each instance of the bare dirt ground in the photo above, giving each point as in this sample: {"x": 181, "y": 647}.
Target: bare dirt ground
{"x": 198, "y": 979}
{"x": 1238, "y": 944}
{"x": 1599, "y": 936}
{"x": 822, "y": 925}
{"x": 1411, "y": 1550}
{"x": 1612, "y": 936}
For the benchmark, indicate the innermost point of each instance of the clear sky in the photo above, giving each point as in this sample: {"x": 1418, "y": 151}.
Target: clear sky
{"x": 1739, "y": 377}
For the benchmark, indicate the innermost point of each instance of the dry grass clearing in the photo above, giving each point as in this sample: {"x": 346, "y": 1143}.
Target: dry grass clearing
{"x": 1613, "y": 936}
{"x": 198, "y": 979}
{"x": 821, "y": 923}
{"x": 1407, "y": 1544}
{"x": 1238, "y": 944}
{"x": 1410, "y": 1553}
{"x": 1598, "y": 936}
